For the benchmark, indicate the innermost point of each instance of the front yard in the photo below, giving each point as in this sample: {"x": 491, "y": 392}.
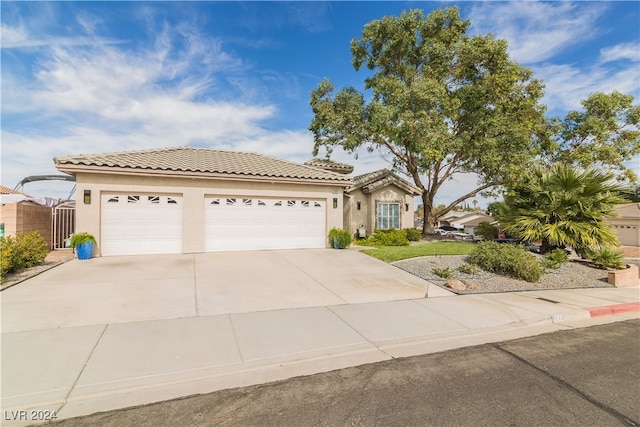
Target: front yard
{"x": 421, "y": 260}
{"x": 397, "y": 253}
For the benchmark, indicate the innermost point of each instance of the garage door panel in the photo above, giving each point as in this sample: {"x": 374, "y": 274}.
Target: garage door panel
{"x": 242, "y": 223}
{"x": 141, "y": 224}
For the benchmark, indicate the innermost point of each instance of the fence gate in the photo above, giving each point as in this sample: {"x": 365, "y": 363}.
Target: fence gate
{"x": 64, "y": 224}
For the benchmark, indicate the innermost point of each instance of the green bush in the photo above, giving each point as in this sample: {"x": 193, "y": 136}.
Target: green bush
{"x": 606, "y": 258}
{"x": 413, "y": 234}
{"x": 555, "y": 258}
{"x": 506, "y": 259}
{"x": 340, "y": 238}
{"x": 386, "y": 238}
{"x": 445, "y": 273}
{"x": 22, "y": 251}
{"x": 487, "y": 231}
{"x": 469, "y": 269}
{"x": 7, "y": 250}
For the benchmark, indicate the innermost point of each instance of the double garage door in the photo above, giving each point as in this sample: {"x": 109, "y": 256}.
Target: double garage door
{"x": 152, "y": 224}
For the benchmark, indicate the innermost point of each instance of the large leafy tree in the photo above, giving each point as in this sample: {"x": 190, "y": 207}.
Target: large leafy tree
{"x": 440, "y": 103}
{"x": 605, "y": 134}
{"x": 563, "y": 206}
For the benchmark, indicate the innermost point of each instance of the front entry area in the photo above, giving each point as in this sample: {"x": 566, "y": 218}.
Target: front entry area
{"x": 235, "y": 223}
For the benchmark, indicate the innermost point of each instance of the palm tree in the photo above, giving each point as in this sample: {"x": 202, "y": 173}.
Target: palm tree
{"x": 564, "y": 206}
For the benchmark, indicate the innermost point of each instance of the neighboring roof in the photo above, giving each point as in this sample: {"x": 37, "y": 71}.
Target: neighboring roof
{"x": 475, "y": 221}
{"x": 371, "y": 181}
{"x": 7, "y": 190}
{"x": 629, "y": 210}
{"x": 197, "y": 161}
{"x": 330, "y": 165}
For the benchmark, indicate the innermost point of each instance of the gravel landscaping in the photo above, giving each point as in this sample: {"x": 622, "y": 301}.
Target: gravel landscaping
{"x": 570, "y": 275}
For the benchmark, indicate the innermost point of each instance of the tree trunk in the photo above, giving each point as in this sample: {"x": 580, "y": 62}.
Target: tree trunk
{"x": 428, "y": 214}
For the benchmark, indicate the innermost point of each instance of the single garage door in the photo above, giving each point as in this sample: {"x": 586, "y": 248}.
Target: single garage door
{"x": 141, "y": 224}
{"x": 245, "y": 223}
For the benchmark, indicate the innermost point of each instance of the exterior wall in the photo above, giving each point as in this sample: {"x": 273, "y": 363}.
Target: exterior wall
{"x": 193, "y": 192}
{"x": 355, "y": 218}
{"x": 25, "y": 218}
{"x": 367, "y": 215}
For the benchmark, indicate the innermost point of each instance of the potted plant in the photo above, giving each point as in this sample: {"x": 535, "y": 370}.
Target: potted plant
{"x": 339, "y": 239}
{"x": 83, "y": 242}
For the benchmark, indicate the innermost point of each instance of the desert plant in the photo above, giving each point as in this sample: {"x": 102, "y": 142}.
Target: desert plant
{"x": 606, "y": 258}
{"x": 469, "y": 269}
{"x": 80, "y": 238}
{"x": 563, "y": 206}
{"x": 555, "y": 258}
{"x": 413, "y": 234}
{"x": 340, "y": 239}
{"x": 445, "y": 273}
{"x": 506, "y": 259}
{"x": 22, "y": 251}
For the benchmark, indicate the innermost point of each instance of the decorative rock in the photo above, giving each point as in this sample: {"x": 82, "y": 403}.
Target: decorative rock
{"x": 468, "y": 284}
{"x": 456, "y": 285}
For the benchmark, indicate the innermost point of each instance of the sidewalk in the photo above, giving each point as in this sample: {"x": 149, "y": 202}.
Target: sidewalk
{"x": 81, "y": 370}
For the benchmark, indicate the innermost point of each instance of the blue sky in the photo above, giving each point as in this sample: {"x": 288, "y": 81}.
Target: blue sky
{"x": 92, "y": 77}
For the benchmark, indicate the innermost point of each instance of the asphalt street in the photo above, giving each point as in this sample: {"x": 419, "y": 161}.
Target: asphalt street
{"x": 587, "y": 377}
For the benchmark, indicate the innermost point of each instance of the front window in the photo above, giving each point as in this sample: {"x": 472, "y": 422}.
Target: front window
{"x": 388, "y": 216}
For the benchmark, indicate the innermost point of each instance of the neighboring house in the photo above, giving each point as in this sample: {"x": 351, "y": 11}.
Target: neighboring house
{"x": 379, "y": 200}
{"x": 466, "y": 221}
{"x": 627, "y": 226}
{"x": 189, "y": 200}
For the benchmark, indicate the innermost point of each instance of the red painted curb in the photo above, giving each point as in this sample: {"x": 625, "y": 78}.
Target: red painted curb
{"x": 611, "y": 310}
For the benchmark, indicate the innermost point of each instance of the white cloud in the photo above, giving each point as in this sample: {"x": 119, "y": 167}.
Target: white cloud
{"x": 625, "y": 51}
{"x": 112, "y": 98}
{"x": 536, "y": 31}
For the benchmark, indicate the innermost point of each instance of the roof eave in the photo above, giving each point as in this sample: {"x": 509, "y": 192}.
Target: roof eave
{"x": 74, "y": 169}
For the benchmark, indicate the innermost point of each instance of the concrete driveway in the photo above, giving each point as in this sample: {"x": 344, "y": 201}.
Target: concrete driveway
{"x": 153, "y": 287}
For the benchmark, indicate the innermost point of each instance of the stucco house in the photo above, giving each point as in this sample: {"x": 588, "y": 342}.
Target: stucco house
{"x": 626, "y": 223}
{"x": 379, "y": 200}
{"x": 189, "y": 200}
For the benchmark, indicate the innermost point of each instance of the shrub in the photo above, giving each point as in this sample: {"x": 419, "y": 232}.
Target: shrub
{"x": 386, "y": 238}
{"x": 22, "y": 251}
{"x": 606, "y": 258}
{"x": 413, "y": 234}
{"x": 340, "y": 238}
{"x": 506, "y": 259}
{"x": 445, "y": 273}
{"x": 80, "y": 238}
{"x": 7, "y": 249}
{"x": 469, "y": 269}
{"x": 555, "y": 258}
{"x": 486, "y": 231}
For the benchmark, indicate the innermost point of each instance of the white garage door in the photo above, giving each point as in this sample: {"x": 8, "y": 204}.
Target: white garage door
{"x": 245, "y": 223}
{"x": 141, "y": 224}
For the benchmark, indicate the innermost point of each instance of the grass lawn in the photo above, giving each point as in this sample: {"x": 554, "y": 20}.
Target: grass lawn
{"x": 397, "y": 253}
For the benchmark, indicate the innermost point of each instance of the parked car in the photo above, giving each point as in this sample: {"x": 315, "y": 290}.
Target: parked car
{"x": 441, "y": 232}
{"x": 463, "y": 236}
{"x": 530, "y": 246}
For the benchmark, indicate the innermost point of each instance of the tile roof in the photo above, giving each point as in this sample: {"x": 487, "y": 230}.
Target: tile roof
{"x": 190, "y": 160}
{"x": 7, "y": 190}
{"x": 330, "y": 165}
{"x": 371, "y": 181}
